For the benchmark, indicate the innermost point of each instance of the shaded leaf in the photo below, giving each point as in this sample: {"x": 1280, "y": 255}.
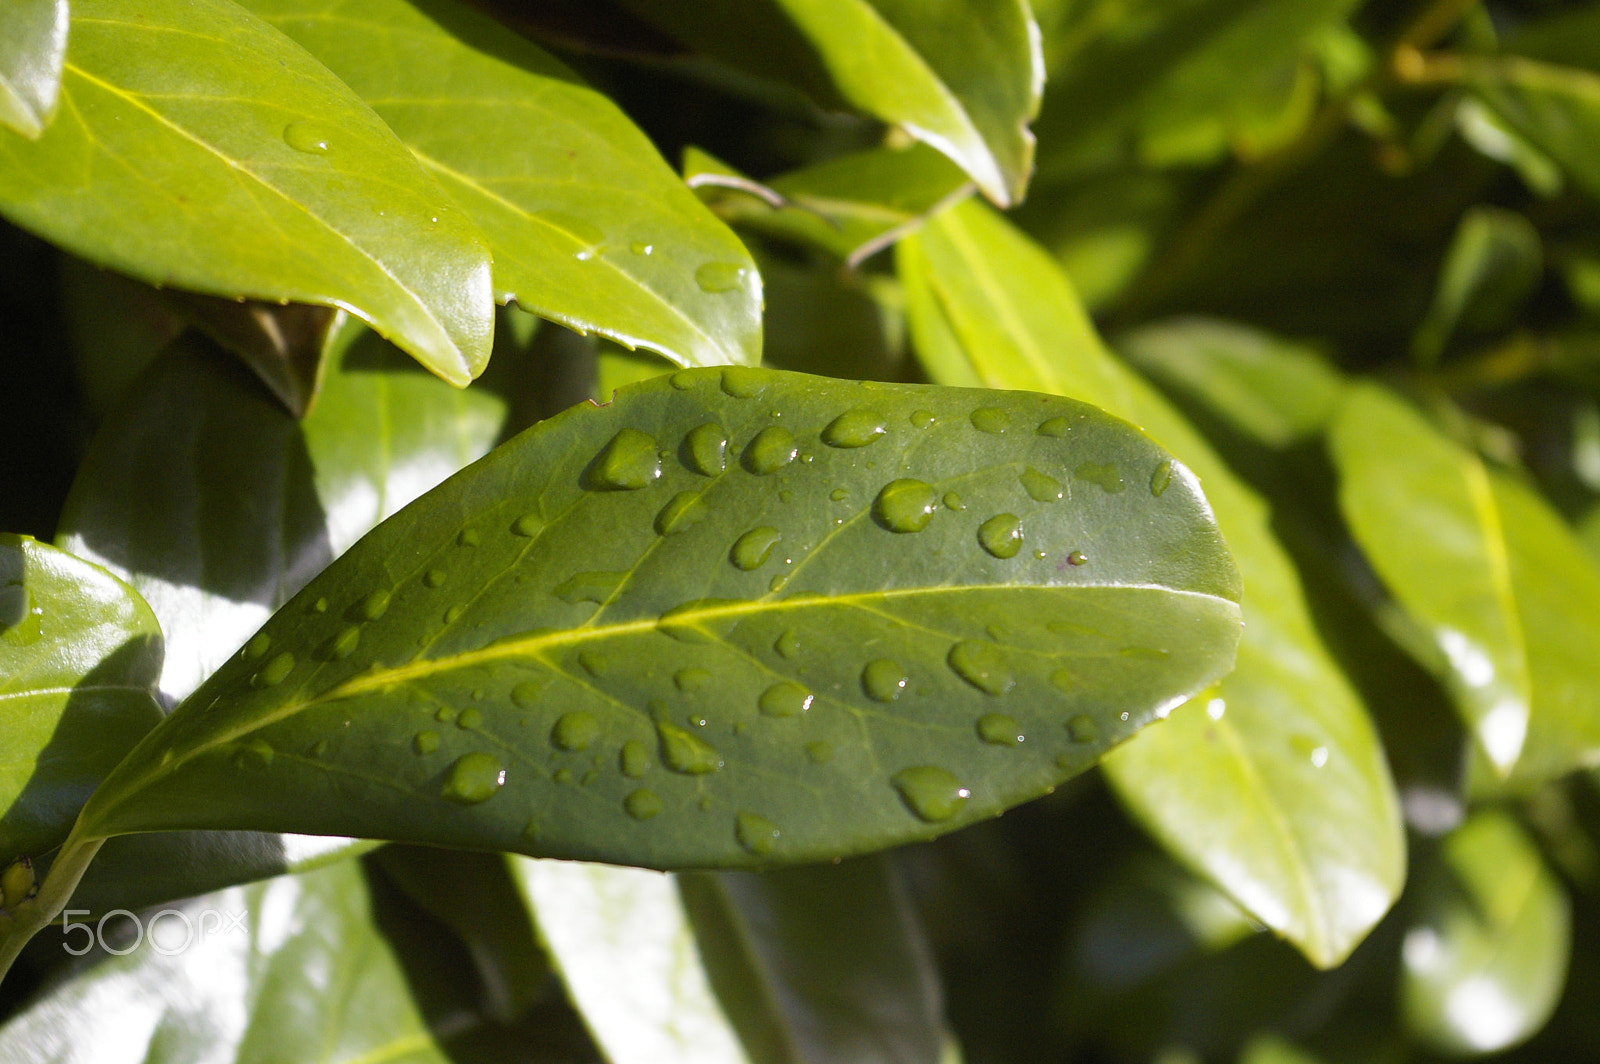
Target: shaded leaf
{"x": 587, "y": 225}
{"x": 1556, "y": 108}
{"x": 199, "y": 148}
{"x": 287, "y": 347}
{"x": 523, "y": 659}
{"x": 1493, "y": 265}
{"x": 1274, "y": 785}
{"x": 79, "y": 655}
{"x": 116, "y": 327}
{"x": 31, "y": 51}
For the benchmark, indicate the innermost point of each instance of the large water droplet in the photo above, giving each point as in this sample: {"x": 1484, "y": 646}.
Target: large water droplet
{"x": 258, "y": 646}
{"x": 474, "y": 778}
{"x": 1105, "y": 475}
{"x": 686, "y": 753}
{"x": 785, "y": 699}
{"x": 1041, "y": 487}
{"x": 931, "y": 793}
{"x": 634, "y": 760}
{"x": 595, "y": 586}
{"x": 642, "y": 804}
{"x": 691, "y": 679}
{"x": 425, "y": 742}
{"x": 1001, "y": 535}
{"x": 884, "y": 680}
{"x": 308, "y": 137}
{"x": 343, "y": 644}
{"x": 683, "y": 511}
{"x": 527, "y": 525}
{"x": 772, "y": 448}
{"x": 1082, "y": 728}
{"x": 787, "y": 645}
{"x": 719, "y": 276}
{"x": 274, "y": 671}
{"x": 744, "y": 382}
{"x": 627, "y": 463}
{"x": 256, "y": 755}
{"x": 372, "y": 605}
{"x": 1161, "y": 478}
{"x": 751, "y": 550}
{"x": 982, "y": 665}
{"x": 1056, "y": 427}
{"x": 576, "y": 730}
{"x": 991, "y": 419}
{"x": 820, "y": 751}
{"x": 905, "y": 505}
{"x": 999, "y": 729}
{"x": 756, "y": 834}
{"x": 705, "y": 449}
{"x": 855, "y": 428}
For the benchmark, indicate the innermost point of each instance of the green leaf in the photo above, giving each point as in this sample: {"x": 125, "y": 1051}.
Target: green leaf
{"x": 286, "y": 347}
{"x": 830, "y": 576}
{"x": 821, "y": 964}
{"x": 79, "y": 655}
{"x": 1493, "y": 265}
{"x": 1506, "y": 591}
{"x": 30, "y": 63}
{"x": 290, "y": 969}
{"x": 587, "y": 225}
{"x": 199, "y": 148}
{"x": 1485, "y": 960}
{"x": 632, "y": 967}
{"x": 964, "y": 77}
{"x": 1273, "y": 786}
{"x": 1557, "y": 108}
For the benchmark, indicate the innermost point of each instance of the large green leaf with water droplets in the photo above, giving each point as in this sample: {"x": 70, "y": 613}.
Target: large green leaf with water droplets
{"x": 200, "y": 148}
{"x": 31, "y": 51}
{"x": 1273, "y": 785}
{"x": 729, "y": 619}
{"x": 79, "y": 655}
{"x": 1491, "y": 572}
{"x": 588, "y": 226}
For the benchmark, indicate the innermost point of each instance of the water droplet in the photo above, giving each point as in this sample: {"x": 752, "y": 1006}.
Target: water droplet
{"x": 527, "y": 525}
{"x": 594, "y": 663}
{"x": 275, "y": 670}
{"x": 444, "y": 715}
{"x": 684, "y": 379}
{"x": 453, "y": 614}
{"x": 855, "y": 428}
{"x": 756, "y": 834}
{"x": 785, "y": 699}
{"x": 991, "y": 419}
{"x": 468, "y": 537}
{"x": 693, "y": 621}
{"x": 819, "y": 752}
{"x": 684, "y": 752}
{"x": 372, "y": 605}
{"x": 751, "y": 550}
{"x": 981, "y": 665}
{"x": 575, "y": 731}
{"x": 787, "y": 645}
{"x": 589, "y": 587}
{"x": 1215, "y": 708}
{"x": 1161, "y": 478}
{"x": 905, "y": 505}
{"x": 884, "y": 680}
{"x": 627, "y": 463}
{"x": 434, "y": 578}
{"x": 344, "y": 644}
{"x": 634, "y": 760}
{"x": 425, "y": 742}
{"x": 772, "y": 448}
{"x": 691, "y": 679}
{"x": 562, "y": 775}
{"x": 705, "y": 449}
{"x": 468, "y": 719}
{"x": 1056, "y": 427}
{"x": 253, "y": 650}
{"x": 1001, "y": 535}
{"x": 778, "y": 583}
{"x": 576, "y": 228}
{"x": 642, "y": 804}
{"x": 639, "y": 247}
{"x": 1041, "y": 487}
{"x": 1077, "y": 557}
{"x": 256, "y": 755}
{"x": 319, "y": 748}
{"x": 526, "y": 694}
{"x": 1104, "y": 475}
{"x": 1310, "y": 749}
{"x": 308, "y": 137}
{"x": 716, "y": 277}
{"x": 320, "y": 606}
{"x": 683, "y": 511}
{"x": 743, "y": 382}
{"x": 1082, "y": 728}
{"x": 931, "y": 793}
{"x": 952, "y": 501}
{"x": 839, "y": 494}
{"x": 922, "y": 418}
{"x": 474, "y": 778}
{"x": 999, "y": 729}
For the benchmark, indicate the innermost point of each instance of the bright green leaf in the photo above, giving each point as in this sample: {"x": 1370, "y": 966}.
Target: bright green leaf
{"x": 1274, "y": 786}
{"x": 197, "y": 147}
{"x": 1556, "y": 108}
{"x": 656, "y": 632}
{"x": 79, "y": 656}
{"x": 1493, "y": 265}
{"x": 586, "y": 223}
{"x": 31, "y": 50}
{"x": 1485, "y": 960}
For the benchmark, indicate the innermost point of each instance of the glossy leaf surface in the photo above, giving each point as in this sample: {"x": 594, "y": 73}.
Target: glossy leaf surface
{"x": 79, "y": 656}
{"x": 200, "y": 148}
{"x": 733, "y": 618}
{"x": 1485, "y": 961}
{"x": 1274, "y": 785}
{"x": 31, "y": 51}
{"x": 587, "y": 224}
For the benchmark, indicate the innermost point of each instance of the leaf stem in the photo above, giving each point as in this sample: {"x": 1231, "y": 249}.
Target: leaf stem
{"x": 37, "y": 912}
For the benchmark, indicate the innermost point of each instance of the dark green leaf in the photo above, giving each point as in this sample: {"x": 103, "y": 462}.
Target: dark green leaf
{"x": 1493, "y": 265}
{"x": 1274, "y": 785}
{"x": 116, "y": 328}
{"x": 287, "y": 347}
{"x": 79, "y": 656}
{"x": 200, "y": 148}
{"x": 656, "y": 632}
{"x": 586, "y": 223}
{"x": 1485, "y": 961}
{"x": 31, "y": 50}
{"x": 1557, "y": 108}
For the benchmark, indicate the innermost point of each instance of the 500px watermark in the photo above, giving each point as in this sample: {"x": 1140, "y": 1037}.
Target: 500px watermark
{"x": 170, "y": 931}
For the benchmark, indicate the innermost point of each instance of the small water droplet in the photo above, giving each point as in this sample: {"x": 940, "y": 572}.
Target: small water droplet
{"x": 453, "y": 614}
{"x": 751, "y": 550}
{"x": 576, "y": 730}
{"x": 772, "y": 448}
{"x": 1310, "y": 749}
{"x": 785, "y": 699}
{"x": 905, "y": 505}
{"x": 1000, "y": 730}
{"x": 1104, "y": 475}
{"x": 1041, "y": 487}
{"x": 308, "y": 137}
{"x": 343, "y": 644}
{"x": 434, "y": 578}
{"x": 256, "y": 755}
{"x": 884, "y": 680}
{"x": 320, "y": 606}
{"x": 319, "y": 748}
{"x": 444, "y": 715}
{"x": 922, "y": 418}
{"x": 629, "y": 462}
{"x": 756, "y": 834}
{"x": 526, "y": 694}
{"x": 1082, "y": 728}
{"x": 474, "y": 778}
{"x": 787, "y": 645}
{"x": 743, "y": 382}
{"x": 1056, "y": 427}
{"x": 1161, "y": 478}
{"x": 373, "y": 604}
{"x": 1001, "y": 535}
{"x": 274, "y": 671}
{"x": 820, "y": 752}
{"x": 425, "y": 742}
{"x": 527, "y": 525}
{"x": 683, "y": 511}
{"x": 594, "y": 663}
{"x": 694, "y": 621}
{"x": 468, "y": 537}
{"x": 562, "y": 775}
{"x": 855, "y": 428}
{"x": 691, "y": 679}
{"x": 1077, "y": 557}
{"x": 634, "y": 760}
{"x": 778, "y": 583}
{"x": 716, "y": 277}
{"x": 639, "y": 247}
{"x": 642, "y": 804}
{"x": 991, "y": 419}
{"x": 839, "y": 494}
{"x": 684, "y": 379}
{"x": 253, "y": 650}
{"x": 589, "y": 587}
{"x": 981, "y": 665}
{"x": 687, "y": 753}
{"x": 468, "y": 719}
{"x": 952, "y": 501}
{"x": 931, "y": 793}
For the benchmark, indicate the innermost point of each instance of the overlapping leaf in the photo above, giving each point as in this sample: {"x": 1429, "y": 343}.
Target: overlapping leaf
{"x": 198, "y": 147}
{"x": 728, "y": 619}
{"x": 31, "y": 51}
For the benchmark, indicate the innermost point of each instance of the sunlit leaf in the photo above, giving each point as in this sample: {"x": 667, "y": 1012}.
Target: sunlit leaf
{"x": 31, "y": 51}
